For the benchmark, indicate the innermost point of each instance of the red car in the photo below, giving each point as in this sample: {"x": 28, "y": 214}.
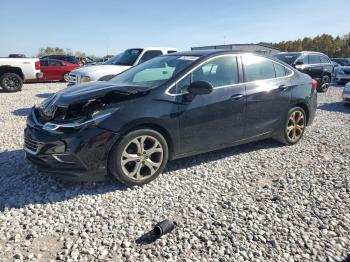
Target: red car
{"x": 54, "y": 69}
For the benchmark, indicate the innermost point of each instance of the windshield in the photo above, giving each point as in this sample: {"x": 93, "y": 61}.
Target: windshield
{"x": 287, "y": 58}
{"x": 127, "y": 58}
{"x": 155, "y": 71}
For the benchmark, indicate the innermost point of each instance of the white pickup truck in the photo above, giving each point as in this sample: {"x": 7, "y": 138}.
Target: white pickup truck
{"x": 14, "y": 71}
{"x": 116, "y": 64}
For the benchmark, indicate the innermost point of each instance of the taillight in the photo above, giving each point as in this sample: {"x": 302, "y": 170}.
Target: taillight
{"x": 37, "y": 65}
{"x": 314, "y": 84}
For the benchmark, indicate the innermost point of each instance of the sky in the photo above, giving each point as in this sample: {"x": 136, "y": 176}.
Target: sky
{"x": 111, "y": 26}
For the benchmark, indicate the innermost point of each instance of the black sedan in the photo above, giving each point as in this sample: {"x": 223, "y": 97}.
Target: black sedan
{"x": 170, "y": 107}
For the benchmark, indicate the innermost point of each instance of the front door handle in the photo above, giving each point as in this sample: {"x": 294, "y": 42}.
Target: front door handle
{"x": 237, "y": 97}
{"x": 282, "y": 87}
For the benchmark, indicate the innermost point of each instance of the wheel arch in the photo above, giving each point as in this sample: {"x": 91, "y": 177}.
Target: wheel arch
{"x": 154, "y": 126}
{"x": 305, "y": 108}
{"x": 11, "y": 69}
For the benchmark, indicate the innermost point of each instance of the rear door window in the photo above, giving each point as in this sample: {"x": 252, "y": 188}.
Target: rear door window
{"x": 280, "y": 70}
{"x": 258, "y": 68}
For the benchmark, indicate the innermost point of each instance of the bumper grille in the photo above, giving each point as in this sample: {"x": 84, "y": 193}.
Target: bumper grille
{"x": 31, "y": 145}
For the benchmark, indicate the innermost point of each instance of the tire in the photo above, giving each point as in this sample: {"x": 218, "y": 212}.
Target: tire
{"x": 325, "y": 82}
{"x": 297, "y": 126}
{"x": 11, "y": 82}
{"x": 65, "y": 77}
{"x": 130, "y": 165}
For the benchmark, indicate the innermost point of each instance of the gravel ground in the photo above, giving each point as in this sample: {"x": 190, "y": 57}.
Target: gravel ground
{"x": 257, "y": 202}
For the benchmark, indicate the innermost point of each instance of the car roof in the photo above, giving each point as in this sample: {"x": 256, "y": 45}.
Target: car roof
{"x": 53, "y": 59}
{"x": 58, "y": 56}
{"x": 303, "y": 52}
{"x": 210, "y": 52}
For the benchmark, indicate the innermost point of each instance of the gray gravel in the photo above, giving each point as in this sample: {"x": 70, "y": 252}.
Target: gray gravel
{"x": 257, "y": 202}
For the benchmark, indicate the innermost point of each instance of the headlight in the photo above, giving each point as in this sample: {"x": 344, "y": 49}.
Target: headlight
{"x": 85, "y": 79}
{"x": 95, "y": 118}
{"x": 347, "y": 88}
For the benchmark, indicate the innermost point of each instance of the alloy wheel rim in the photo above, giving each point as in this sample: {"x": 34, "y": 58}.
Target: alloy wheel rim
{"x": 295, "y": 126}
{"x": 11, "y": 83}
{"x": 326, "y": 81}
{"x": 142, "y": 157}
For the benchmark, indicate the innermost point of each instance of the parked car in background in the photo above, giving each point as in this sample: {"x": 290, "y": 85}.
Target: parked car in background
{"x": 335, "y": 64}
{"x": 68, "y": 58}
{"x": 14, "y": 71}
{"x": 56, "y": 70}
{"x": 315, "y": 64}
{"x": 342, "y": 61}
{"x": 17, "y": 56}
{"x": 169, "y": 107}
{"x": 346, "y": 94}
{"x": 117, "y": 64}
{"x": 342, "y": 74}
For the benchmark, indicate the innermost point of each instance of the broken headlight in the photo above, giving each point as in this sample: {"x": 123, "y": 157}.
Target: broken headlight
{"x": 95, "y": 118}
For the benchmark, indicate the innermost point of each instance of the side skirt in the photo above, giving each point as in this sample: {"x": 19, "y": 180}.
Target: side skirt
{"x": 222, "y": 146}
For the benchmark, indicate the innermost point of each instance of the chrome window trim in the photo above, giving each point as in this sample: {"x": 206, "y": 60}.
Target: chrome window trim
{"x": 233, "y": 55}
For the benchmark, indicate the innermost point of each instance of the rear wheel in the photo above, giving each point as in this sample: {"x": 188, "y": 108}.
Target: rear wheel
{"x": 139, "y": 157}
{"x": 326, "y": 81}
{"x": 294, "y": 127}
{"x": 11, "y": 82}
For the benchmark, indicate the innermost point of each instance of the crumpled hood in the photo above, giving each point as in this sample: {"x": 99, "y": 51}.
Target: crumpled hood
{"x": 84, "y": 92}
{"x": 96, "y": 69}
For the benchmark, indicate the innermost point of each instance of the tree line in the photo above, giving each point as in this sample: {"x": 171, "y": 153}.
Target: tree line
{"x": 60, "y": 51}
{"x": 338, "y": 46}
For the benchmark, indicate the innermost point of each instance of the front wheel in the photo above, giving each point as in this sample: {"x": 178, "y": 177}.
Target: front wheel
{"x": 11, "y": 82}
{"x": 294, "y": 126}
{"x": 139, "y": 157}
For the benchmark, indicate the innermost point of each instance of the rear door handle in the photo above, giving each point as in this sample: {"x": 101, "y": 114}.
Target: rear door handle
{"x": 282, "y": 87}
{"x": 237, "y": 97}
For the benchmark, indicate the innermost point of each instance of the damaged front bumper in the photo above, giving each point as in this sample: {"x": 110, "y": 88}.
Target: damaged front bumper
{"x": 80, "y": 155}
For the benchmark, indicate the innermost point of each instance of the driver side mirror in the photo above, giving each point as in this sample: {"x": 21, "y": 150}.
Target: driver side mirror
{"x": 200, "y": 88}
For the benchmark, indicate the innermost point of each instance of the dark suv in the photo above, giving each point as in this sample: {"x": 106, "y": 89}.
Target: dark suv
{"x": 316, "y": 65}
{"x": 67, "y": 58}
